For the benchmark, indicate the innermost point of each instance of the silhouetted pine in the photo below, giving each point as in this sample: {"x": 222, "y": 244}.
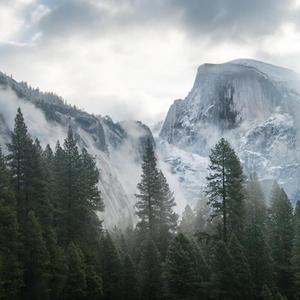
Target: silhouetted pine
{"x": 225, "y": 189}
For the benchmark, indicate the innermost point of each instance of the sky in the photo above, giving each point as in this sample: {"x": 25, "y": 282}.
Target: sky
{"x": 130, "y": 59}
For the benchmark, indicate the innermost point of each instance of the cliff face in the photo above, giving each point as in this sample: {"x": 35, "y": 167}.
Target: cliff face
{"x": 252, "y": 104}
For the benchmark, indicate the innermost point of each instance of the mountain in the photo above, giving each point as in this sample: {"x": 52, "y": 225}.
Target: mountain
{"x": 118, "y": 147}
{"x": 254, "y": 105}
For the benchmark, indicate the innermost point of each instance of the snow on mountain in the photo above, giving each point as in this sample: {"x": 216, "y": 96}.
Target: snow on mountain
{"x": 255, "y": 106}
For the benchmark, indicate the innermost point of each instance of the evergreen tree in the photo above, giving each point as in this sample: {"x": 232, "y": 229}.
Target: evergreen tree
{"x": 150, "y": 272}
{"x": 149, "y": 193}
{"x": 130, "y": 286}
{"x": 242, "y": 281}
{"x": 111, "y": 270}
{"x": 266, "y": 294}
{"x": 155, "y": 203}
{"x": 256, "y": 246}
{"x": 183, "y": 280}
{"x": 167, "y": 218}
{"x": 281, "y": 238}
{"x": 225, "y": 189}
{"x": 10, "y": 270}
{"x": 36, "y": 261}
{"x": 75, "y": 288}
{"x": 94, "y": 285}
{"x": 188, "y": 220}
{"x": 223, "y": 276}
{"x": 19, "y": 161}
{"x": 296, "y": 252}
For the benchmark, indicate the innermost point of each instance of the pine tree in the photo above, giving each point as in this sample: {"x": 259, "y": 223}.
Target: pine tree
{"x": 183, "y": 280}
{"x": 75, "y": 288}
{"x": 188, "y": 220}
{"x": 111, "y": 270}
{"x": 94, "y": 285}
{"x": 10, "y": 270}
{"x": 167, "y": 218}
{"x": 281, "y": 238}
{"x": 266, "y": 294}
{"x": 256, "y": 246}
{"x": 36, "y": 261}
{"x": 155, "y": 203}
{"x": 130, "y": 286}
{"x": 150, "y": 272}
{"x": 225, "y": 189}
{"x": 19, "y": 161}
{"x": 149, "y": 193}
{"x": 242, "y": 281}
{"x": 296, "y": 252}
{"x": 223, "y": 276}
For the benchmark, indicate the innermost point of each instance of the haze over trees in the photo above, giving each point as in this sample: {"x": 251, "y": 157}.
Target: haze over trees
{"x": 54, "y": 246}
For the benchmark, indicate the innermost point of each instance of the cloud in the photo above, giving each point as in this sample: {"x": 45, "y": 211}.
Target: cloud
{"x": 131, "y": 58}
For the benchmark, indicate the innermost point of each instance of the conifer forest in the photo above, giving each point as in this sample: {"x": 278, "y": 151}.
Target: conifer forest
{"x": 54, "y": 244}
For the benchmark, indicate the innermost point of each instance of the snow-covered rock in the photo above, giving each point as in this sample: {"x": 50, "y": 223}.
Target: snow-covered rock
{"x": 255, "y": 106}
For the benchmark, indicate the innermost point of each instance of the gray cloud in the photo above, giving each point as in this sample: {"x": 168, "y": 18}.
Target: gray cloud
{"x": 220, "y": 19}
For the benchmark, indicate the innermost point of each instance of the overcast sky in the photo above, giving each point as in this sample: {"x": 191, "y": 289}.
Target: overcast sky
{"x": 131, "y": 58}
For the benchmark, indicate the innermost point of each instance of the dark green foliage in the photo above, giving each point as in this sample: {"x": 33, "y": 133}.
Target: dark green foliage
{"x": 150, "y": 272}
{"x": 155, "y": 203}
{"x": 10, "y": 271}
{"x": 75, "y": 288}
{"x": 130, "y": 285}
{"x": 256, "y": 246}
{"x": 36, "y": 260}
{"x": 111, "y": 270}
{"x": 181, "y": 269}
{"x": 242, "y": 280}
{"x": 52, "y": 244}
{"x": 295, "y": 260}
{"x": 225, "y": 189}
{"x": 187, "y": 224}
{"x": 223, "y": 276}
{"x": 93, "y": 284}
{"x": 281, "y": 238}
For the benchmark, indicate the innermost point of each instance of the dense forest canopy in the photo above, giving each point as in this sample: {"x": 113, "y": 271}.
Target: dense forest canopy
{"x": 54, "y": 246}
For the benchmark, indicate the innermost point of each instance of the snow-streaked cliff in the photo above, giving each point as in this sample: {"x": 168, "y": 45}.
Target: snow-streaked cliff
{"x": 255, "y": 105}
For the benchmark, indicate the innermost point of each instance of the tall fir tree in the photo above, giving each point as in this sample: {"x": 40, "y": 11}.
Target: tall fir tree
{"x": 225, "y": 189}
{"x": 111, "y": 270}
{"x": 188, "y": 221}
{"x": 223, "y": 276}
{"x": 75, "y": 287}
{"x": 10, "y": 270}
{"x": 130, "y": 285}
{"x": 281, "y": 238}
{"x": 155, "y": 203}
{"x": 149, "y": 193}
{"x": 36, "y": 261}
{"x": 256, "y": 245}
{"x": 295, "y": 260}
{"x": 242, "y": 280}
{"x": 150, "y": 272}
{"x": 181, "y": 272}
